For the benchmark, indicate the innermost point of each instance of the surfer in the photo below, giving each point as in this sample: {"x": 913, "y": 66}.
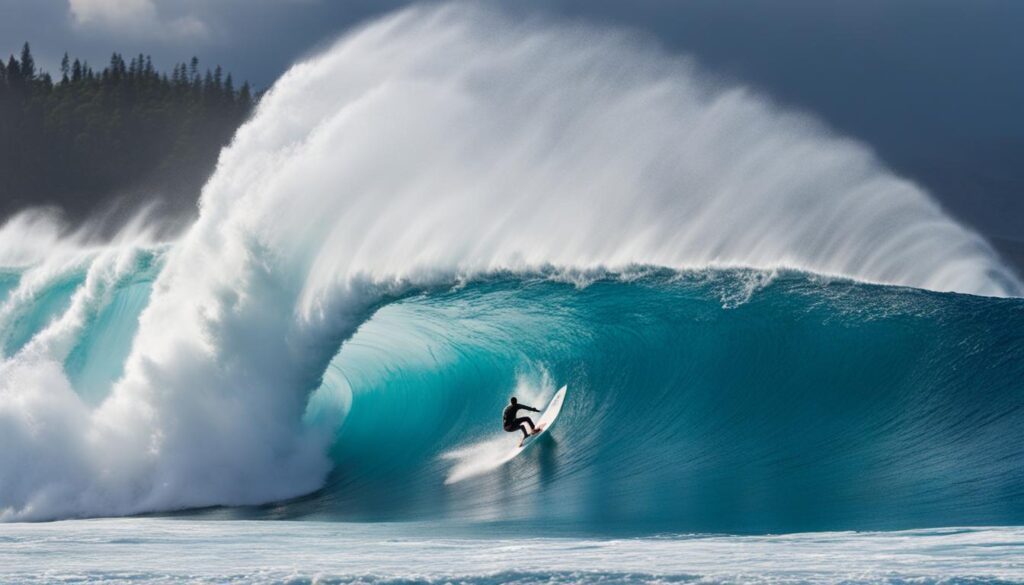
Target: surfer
{"x": 511, "y": 423}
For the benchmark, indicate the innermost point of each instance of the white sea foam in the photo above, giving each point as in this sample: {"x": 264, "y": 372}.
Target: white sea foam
{"x": 434, "y": 144}
{"x": 171, "y": 551}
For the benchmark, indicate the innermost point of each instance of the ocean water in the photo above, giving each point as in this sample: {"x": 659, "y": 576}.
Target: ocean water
{"x": 695, "y": 403}
{"x": 784, "y": 363}
{"x": 174, "y": 551}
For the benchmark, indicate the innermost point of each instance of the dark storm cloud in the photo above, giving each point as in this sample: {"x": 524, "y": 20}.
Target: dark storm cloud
{"x": 935, "y": 86}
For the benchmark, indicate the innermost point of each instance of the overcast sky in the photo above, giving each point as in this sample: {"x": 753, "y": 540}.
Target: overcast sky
{"x": 935, "y": 86}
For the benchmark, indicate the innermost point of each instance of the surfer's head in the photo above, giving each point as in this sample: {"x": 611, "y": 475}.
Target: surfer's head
{"x": 513, "y": 400}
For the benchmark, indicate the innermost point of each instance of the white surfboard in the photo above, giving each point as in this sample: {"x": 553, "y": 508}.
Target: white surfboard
{"x": 547, "y": 418}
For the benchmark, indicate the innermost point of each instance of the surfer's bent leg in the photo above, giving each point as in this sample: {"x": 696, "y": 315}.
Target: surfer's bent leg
{"x": 522, "y": 421}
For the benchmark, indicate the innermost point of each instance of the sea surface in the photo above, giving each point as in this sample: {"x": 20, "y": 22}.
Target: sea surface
{"x": 178, "y": 550}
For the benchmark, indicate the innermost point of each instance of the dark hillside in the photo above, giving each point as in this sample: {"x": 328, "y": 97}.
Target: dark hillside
{"x": 125, "y": 134}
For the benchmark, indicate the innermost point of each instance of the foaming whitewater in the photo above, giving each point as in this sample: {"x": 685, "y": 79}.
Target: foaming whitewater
{"x": 432, "y": 148}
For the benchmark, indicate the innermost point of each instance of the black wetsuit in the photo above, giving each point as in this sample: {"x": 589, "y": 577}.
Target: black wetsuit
{"x": 511, "y": 423}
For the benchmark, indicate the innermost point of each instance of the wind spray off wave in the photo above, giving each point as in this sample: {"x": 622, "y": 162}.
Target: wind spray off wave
{"x": 431, "y": 147}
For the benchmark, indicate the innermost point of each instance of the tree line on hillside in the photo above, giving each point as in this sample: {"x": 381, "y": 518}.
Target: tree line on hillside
{"x": 127, "y": 132}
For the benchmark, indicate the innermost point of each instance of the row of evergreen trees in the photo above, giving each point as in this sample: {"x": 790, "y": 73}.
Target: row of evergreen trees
{"x": 127, "y": 132}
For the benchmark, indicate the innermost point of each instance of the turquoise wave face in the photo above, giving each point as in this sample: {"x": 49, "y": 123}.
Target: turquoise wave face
{"x": 39, "y": 311}
{"x": 722, "y": 401}
{"x": 714, "y": 402}
{"x": 96, "y": 360}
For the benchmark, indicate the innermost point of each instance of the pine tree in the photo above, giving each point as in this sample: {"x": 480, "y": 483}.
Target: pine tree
{"x": 28, "y": 64}
{"x": 14, "y": 73}
{"x": 245, "y": 95}
{"x": 65, "y": 68}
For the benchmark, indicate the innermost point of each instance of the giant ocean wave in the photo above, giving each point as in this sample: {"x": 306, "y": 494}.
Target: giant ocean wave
{"x": 761, "y": 328}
